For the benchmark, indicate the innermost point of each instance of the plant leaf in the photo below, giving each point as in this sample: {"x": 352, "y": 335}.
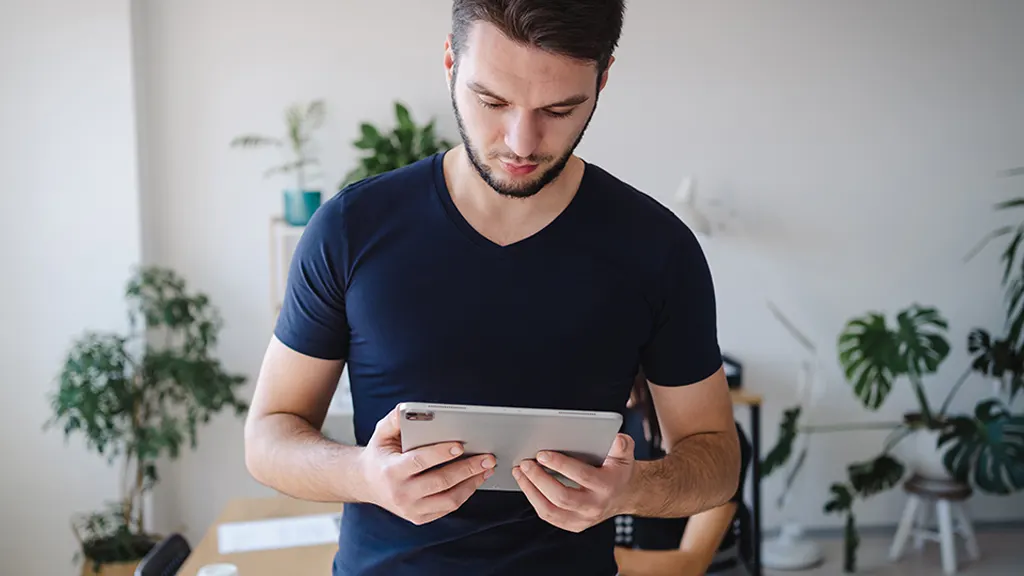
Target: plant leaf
{"x": 369, "y": 137}
{"x": 869, "y": 354}
{"x": 988, "y": 449}
{"x": 878, "y": 475}
{"x": 841, "y": 500}
{"x": 315, "y": 113}
{"x": 289, "y": 167}
{"x": 923, "y": 347}
{"x": 997, "y": 233}
{"x": 404, "y": 118}
{"x": 255, "y": 141}
{"x": 873, "y": 356}
{"x": 783, "y": 448}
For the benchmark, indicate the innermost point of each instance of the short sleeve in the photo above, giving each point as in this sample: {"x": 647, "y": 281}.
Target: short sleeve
{"x": 312, "y": 320}
{"x": 683, "y": 345}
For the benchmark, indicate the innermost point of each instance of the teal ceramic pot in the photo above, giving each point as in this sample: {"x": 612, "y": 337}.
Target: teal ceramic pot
{"x": 300, "y": 205}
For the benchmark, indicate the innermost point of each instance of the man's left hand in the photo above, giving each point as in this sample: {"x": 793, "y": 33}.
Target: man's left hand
{"x": 603, "y": 491}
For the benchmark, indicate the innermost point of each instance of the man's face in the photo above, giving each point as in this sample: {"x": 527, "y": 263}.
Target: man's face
{"x": 521, "y": 111}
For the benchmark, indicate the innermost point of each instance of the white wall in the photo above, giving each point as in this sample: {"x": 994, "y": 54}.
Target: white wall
{"x": 69, "y": 230}
{"x": 858, "y": 143}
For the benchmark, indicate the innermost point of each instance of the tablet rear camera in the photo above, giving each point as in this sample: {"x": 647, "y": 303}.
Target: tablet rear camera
{"x": 419, "y": 416}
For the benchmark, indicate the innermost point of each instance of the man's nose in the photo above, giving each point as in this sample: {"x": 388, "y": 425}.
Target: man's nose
{"x": 523, "y": 134}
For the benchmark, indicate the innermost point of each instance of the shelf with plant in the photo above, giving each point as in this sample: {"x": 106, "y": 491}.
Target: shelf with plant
{"x": 137, "y": 397}
{"x": 301, "y": 121}
{"x": 983, "y": 448}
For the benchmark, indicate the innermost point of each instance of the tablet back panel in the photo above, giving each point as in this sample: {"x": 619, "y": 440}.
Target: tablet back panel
{"x": 511, "y": 434}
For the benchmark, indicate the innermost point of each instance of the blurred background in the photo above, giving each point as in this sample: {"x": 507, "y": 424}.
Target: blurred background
{"x": 839, "y": 158}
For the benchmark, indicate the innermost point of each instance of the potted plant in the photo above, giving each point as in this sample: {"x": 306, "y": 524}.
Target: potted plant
{"x": 404, "y": 144}
{"x": 985, "y": 448}
{"x": 136, "y": 397}
{"x": 301, "y": 121}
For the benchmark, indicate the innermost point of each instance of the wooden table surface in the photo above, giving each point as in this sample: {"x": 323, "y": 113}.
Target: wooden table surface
{"x": 300, "y": 561}
{"x": 744, "y": 398}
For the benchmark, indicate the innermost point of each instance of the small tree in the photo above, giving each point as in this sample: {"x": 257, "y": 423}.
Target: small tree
{"x": 139, "y": 396}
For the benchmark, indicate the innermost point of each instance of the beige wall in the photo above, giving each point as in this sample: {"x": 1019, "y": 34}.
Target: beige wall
{"x": 69, "y": 233}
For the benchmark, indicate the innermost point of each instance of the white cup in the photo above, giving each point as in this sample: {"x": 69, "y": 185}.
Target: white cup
{"x": 218, "y": 570}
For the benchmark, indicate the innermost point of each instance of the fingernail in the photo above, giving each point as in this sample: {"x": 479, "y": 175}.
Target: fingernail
{"x": 488, "y": 462}
{"x": 516, "y": 473}
{"x": 543, "y": 457}
{"x": 456, "y": 450}
{"x": 622, "y": 443}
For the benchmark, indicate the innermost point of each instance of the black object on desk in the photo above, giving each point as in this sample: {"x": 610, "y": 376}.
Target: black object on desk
{"x": 733, "y": 372}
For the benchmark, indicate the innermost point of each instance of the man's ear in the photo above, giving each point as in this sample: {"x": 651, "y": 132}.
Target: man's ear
{"x": 449, "y": 61}
{"x": 604, "y": 75}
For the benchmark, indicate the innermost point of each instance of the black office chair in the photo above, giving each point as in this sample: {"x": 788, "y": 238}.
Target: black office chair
{"x": 165, "y": 558}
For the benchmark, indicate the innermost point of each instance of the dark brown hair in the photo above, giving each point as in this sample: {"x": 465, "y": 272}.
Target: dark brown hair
{"x": 585, "y": 30}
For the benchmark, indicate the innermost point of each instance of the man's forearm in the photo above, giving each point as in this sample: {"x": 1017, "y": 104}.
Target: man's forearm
{"x": 286, "y": 453}
{"x": 700, "y": 472}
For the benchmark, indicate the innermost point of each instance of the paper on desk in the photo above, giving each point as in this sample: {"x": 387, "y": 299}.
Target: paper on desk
{"x": 310, "y": 530}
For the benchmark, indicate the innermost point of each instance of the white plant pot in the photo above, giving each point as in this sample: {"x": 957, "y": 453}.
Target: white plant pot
{"x": 921, "y": 453}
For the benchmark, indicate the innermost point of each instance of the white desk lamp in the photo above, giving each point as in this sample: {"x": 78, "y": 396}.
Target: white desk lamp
{"x": 790, "y": 550}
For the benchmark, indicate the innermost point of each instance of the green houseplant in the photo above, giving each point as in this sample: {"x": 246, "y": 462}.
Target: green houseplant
{"x": 301, "y": 120}
{"x": 406, "y": 143}
{"x": 985, "y": 448}
{"x": 140, "y": 396}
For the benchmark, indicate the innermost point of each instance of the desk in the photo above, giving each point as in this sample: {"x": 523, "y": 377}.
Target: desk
{"x": 302, "y": 561}
{"x": 753, "y": 402}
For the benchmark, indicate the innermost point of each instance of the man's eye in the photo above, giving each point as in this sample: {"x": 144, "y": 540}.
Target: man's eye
{"x": 560, "y": 113}
{"x": 492, "y": 105}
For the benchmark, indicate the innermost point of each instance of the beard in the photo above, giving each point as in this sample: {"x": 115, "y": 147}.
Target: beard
{"x": 520, "y": 189}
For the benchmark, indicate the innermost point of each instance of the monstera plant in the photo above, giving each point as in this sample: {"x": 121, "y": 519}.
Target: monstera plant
{"x": 877, "y": 354}
{"x": 984, "y": 448}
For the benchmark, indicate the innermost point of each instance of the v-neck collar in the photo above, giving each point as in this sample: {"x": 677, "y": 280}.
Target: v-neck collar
{"x": 485, "y": 243}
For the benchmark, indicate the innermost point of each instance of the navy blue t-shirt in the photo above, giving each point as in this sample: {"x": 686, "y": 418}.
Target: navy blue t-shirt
{"x": 391, "y": 278}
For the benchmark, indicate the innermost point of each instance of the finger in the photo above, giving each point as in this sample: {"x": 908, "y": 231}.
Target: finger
{"x": 438, "y": 505}
{"x": 554, "y": 491}
{"x": 450, "y": 475}
{"x": 545, "y": 509}
{"x": 576, "y": 470}
{"x": 422, "y": 459}
{"x": 621, "y": 450}
{"x": 388, "y": 428}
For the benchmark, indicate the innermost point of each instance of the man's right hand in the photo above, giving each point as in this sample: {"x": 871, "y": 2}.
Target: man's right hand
{"x": 408, "y": 484}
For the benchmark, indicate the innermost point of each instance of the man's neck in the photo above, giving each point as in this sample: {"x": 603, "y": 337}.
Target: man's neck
{"x": 501, "y": 219}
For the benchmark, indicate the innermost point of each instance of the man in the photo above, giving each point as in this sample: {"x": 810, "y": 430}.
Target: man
{"x": 509, "y": 272}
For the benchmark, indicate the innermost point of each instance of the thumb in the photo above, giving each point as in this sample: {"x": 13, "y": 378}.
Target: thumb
{"x": 388, "y": 429}
{"x": 622, "y": 449}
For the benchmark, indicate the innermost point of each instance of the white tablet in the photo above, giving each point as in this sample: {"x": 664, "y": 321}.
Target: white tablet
{"x": 510, "y": 434}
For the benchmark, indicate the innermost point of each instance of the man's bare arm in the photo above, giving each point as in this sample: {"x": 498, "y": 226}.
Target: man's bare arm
{"x": 702, "y": 466}
{"x": 284, "y": 448}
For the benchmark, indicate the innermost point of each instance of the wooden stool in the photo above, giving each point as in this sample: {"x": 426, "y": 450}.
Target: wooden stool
{"x": 948, "y": 497}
